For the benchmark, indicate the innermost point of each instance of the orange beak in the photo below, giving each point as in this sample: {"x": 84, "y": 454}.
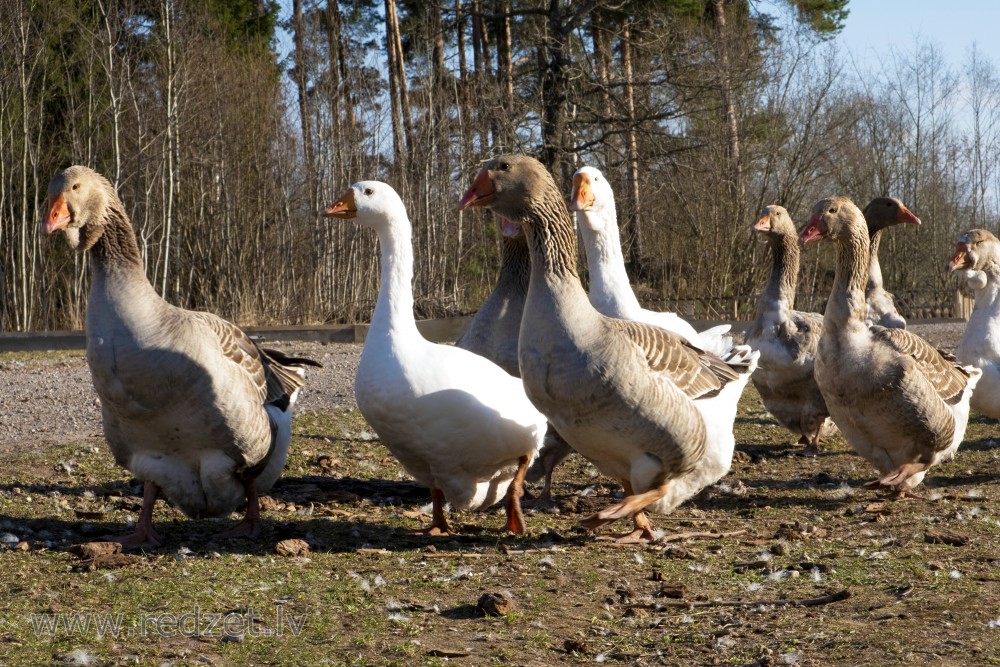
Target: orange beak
{"x": 582, "y": 197}
{"x": 960, "y": 258}
{"x": 58, "y": 216}
{"x": 764, "y": 224}
{"x": 480, "y": 193}
{"x": 812, "y": 232}
{"x": 905, "y": 215}
{"x": 342, "y": 208}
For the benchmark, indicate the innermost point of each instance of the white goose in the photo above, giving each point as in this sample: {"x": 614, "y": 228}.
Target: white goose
{"x": 787, "y": 338}
{"x": 190, "y": 404}
{"x": 977, "y": 257}
{"x": 881, "y": 213}
{"x": 456, "y": 421}
{"x": 593, "y": 200}
{"x": 640, "y": 402}
{"x": 899, "y": 402}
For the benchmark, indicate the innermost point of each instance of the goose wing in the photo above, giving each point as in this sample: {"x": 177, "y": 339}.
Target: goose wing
{"x": 697, "y": 373}
{"x": 939, "y": 368}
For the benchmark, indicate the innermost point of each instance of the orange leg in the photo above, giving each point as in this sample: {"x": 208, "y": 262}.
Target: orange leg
{"x": 439, "y": 524}
{"x": 631, "y": 505}
{"x": 144, "y": 535}
{"x": 515, "y": 518}
{"x": 250, "y": 525}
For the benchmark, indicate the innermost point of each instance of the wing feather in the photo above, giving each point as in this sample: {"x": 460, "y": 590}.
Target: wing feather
{"x": 940, "y": 368}
{"x": 695, "y": 372}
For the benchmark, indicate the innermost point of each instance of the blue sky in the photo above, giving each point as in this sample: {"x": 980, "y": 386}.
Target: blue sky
{"x": 873, "y": 26}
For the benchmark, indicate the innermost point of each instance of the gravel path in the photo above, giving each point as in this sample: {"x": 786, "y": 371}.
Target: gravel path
{"x": 48, "y": 398}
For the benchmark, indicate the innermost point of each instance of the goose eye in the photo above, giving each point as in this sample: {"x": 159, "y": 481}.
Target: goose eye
{"x": 369, "y": 192}
{"x": 832, "y": 210}
{"x": 76, "y": 186}
{"x": 504, "y": 166}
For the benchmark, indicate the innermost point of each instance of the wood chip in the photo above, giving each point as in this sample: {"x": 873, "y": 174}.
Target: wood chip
{"x": 806, "y": 602}
{"x": 800, "y": 531}
{"x": 452, "y": 554}
{"x": 105, "y": 562}
{"x": 676, "y": 537}
{"x": 945, "y": 536}
{"x": 447, "y": 653}
{"x": 750, "y": 565}
{"x": 675, "y": 591}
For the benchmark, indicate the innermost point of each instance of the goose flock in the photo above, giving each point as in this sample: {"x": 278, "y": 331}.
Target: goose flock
{"x": 202, "y": 414}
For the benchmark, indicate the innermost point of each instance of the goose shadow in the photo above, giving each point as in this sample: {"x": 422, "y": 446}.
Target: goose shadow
{"x": 360, "y": 500}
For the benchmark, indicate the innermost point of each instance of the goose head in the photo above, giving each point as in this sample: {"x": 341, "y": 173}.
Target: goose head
{"x": 514, "y": 187}
{"x": 78, "y": 201}
{"x": 883, "y": 212}
{"x": 371, "y": 203}
{"x": 974, "y": 250}
{"x": 592, "y": 194}
{"x": 774, "y": 223}
{"x": 833, "y": 218}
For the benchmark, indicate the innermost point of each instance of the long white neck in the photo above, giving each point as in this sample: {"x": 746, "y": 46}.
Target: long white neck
{"x": 988, "y": 297}
{"x": 610, "y": 291}
{"x": 393, "y": 317}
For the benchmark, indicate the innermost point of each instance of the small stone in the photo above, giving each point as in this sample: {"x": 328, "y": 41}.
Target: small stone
{"x": 293, "y": 547}
{"x": 94, "y": 549}
{"x": 495, "y": 604}
{"x": 22, "y": 546}
{"x": 9, "y": 540}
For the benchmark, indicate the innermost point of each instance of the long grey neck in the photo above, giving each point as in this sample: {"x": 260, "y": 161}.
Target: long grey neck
{"x": 552, "y": 241}
{"x": 874, "y": 268}
{"x": 118, "y": 274}
{"x": 784, "y": 271}
{"x": 115, "y": 249}
{"x": 847, "y": 300}
{"x": 515, "y": 265}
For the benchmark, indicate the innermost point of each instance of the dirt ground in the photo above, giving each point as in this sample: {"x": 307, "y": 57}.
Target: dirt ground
{"x": 788, "y": 561}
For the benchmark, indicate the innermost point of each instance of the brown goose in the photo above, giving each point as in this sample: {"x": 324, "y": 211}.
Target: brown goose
{"x": 494, "y": 329}
{"x": 881, "y": 213}
{"x": 787, "y": 339}
{"x": 190, "y": 404}
{"x": 639, "y": 401}
{"x": 493, "y": 334}
{"x": 899, "y": 402}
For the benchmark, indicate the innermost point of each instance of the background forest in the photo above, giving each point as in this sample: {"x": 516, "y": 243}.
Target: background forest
{"x": 228, "y": 125}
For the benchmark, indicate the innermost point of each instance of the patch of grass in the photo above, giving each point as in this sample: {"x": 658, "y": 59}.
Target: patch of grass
{"x": 371, "y": 593}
